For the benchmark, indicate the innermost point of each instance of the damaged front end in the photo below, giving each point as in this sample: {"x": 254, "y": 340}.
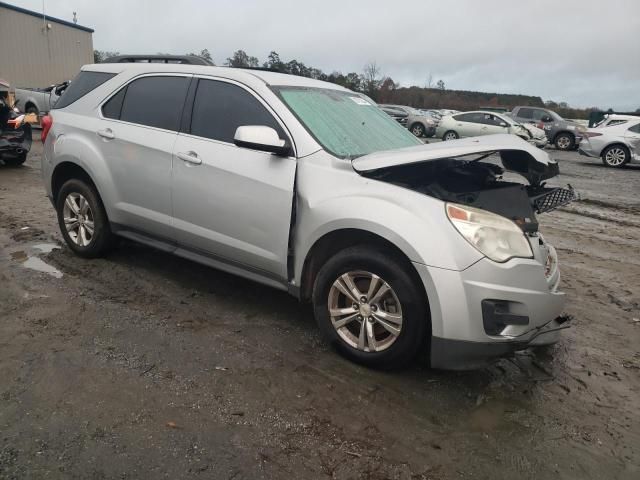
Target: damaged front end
{"x": 472, "y": 172}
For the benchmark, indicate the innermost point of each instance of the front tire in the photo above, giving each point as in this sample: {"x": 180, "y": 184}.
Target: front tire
{"x": 370, "y": 307}
{"x": 450, "y": 135}
{"x": 615, "y": 156}
{"x": 564, "y": 141}
{"x": 83, "y": 220}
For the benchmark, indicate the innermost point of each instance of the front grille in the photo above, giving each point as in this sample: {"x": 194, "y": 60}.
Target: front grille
{"x": 553, "y": 198}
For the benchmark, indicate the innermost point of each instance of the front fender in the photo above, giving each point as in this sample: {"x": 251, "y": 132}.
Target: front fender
{"x": 330, "y": 199}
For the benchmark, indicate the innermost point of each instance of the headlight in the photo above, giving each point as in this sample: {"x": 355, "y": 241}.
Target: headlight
{"x": 495, "y": 236}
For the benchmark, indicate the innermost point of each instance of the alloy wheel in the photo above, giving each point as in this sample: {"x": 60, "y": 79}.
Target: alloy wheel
{"x": 417, "y": 130}
{"x": 365, "y": 311}
{"x": 78, "y": 219}
{"x": 450, "y": 136}
{"x": 615, "y": 157}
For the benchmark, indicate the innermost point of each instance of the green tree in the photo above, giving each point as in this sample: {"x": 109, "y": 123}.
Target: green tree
{"x": 240, "y": 59}
{"x": 100, "y": 56}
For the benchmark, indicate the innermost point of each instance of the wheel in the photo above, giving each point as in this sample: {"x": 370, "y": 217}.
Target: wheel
{"x": 564, "y": 141}
{"x": 417, "y": 129}
{"x": 83, "y": 220}
{"x": 370, "y": 308}
{"x": 615, "y": 156}
{"x": 15, "y": 161}
{"x": 450, "y": 135}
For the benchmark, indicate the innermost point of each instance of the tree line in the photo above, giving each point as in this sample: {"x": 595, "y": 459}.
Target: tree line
{"x": 383, "y": 89}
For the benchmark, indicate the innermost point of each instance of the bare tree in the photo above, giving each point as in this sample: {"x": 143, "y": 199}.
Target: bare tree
{"x": 429, "y": 83}
{"x": 440, "y": 84}
{"x": 371, "y": 79}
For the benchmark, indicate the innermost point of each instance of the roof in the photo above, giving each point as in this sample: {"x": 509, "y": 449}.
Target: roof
{"x": 39, "y": 15}
{"x": 268, "y": 77}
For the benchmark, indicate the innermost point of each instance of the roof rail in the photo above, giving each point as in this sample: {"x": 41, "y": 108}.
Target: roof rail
{"x": 179, "y": 59}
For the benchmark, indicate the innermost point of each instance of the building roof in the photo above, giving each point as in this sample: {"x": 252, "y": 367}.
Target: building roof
{"x": 49, "y": 19}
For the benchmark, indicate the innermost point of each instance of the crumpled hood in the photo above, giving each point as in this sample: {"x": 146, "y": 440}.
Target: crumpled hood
{"x": 517, "y": 156}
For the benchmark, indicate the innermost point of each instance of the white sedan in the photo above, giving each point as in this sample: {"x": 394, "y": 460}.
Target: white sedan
{"x": 474, "y": 124}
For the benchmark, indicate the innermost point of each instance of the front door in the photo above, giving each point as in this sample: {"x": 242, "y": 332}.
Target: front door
{"x": 232, "y": 203}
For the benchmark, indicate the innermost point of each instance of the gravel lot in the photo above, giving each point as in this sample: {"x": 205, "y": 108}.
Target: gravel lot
{"x": 143, "y": 365}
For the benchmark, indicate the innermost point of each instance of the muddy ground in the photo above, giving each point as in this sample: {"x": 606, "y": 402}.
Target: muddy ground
{"x": 143, "y": 365}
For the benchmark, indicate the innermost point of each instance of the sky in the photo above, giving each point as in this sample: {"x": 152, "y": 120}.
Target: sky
{"x": 585, "y": 52}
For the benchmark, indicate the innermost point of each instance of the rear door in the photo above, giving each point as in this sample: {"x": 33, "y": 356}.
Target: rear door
{"x": 138, "y": 132}
{"x": 231, "y": 203}
{"x": 468, "y": 124}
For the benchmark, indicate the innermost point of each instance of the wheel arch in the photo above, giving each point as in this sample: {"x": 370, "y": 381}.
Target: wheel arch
{"x": 68, "y": 170}
{"x": 31, "y": 103}
{"x": 561, "y": 132}
{"x": 336, "y": 240}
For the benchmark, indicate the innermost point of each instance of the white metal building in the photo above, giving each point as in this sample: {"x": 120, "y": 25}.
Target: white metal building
{"x": 37, "y": 50}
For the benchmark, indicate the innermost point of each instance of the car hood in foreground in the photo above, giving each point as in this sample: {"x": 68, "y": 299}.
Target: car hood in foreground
{"x": 516, "y": 154}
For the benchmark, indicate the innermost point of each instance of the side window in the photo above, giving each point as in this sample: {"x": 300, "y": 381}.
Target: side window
{"x": 615, "y": 122}
{"x": 635, "y": 128}
{"x": 113, "y": 107}
{"x": 154, "y": 101}
{"x": 466, "y": 117}
{"x": 220, "y": 108}
{"x": 525, "y": 113}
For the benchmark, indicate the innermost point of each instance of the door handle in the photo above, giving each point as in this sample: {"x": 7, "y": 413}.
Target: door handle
{"x": 107, "y": 133}
{"x": 189, "y": 157}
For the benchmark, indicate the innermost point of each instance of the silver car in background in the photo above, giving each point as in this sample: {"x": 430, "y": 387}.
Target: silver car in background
{"x": 310, "y": 188}
{"x": 617, "y": 142}
{"x": 475, "y": 124}
{"x": 418, "y": 123}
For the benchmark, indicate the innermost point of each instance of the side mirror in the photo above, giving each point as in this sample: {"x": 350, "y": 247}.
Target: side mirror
{"x": 503, "y": 124}
{"x": 546, "y": 118}
{"x": 263, "y": 138}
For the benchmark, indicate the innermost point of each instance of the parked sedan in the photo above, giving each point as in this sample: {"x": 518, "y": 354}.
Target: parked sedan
{"x": 418, "y": 123}
{"x": 617, "y": 144}
{"x": 474, "y": 124}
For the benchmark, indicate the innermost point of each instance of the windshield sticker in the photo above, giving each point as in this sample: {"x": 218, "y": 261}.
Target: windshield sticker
{"x": 360, "y": 100}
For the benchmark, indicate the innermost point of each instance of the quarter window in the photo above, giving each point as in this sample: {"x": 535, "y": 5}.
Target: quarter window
{"x": 635, "y": 128}
{"x": 220, "y": 108}
{"x": 82, "y": 84}
{"x": 151, "y": 101}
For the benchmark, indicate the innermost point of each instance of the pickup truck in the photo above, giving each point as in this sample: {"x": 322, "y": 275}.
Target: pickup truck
{"x": 564, "y": 134}
{"x": 36, "y": 100}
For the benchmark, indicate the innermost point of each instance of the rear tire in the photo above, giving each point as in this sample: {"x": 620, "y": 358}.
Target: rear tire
{"x": 450, "y": 135}
{"x": 83, "y": 220}
{"x": 396, "y": 320}
{"x": 616, "y": 156}
{"x": 417, "y": 129}
{"x": 564, "y": 141}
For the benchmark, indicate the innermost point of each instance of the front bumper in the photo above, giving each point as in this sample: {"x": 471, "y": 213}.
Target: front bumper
{"x": 460, "y": 338}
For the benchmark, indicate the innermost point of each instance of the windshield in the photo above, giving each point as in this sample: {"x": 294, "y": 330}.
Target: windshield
{"x": 346, "y": 124}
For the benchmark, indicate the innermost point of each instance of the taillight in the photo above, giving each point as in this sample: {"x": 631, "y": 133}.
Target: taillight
{"x": 45, "y": 123}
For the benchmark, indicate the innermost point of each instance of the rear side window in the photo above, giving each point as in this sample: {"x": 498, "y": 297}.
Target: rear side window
{"x": 635, "y": 128}
{"x": 470, "y": 117}
{"x": 525, "y": 113}
{"x": 220, "y": 108}
{"x": 82, "y": 84}
{"x": 152, "y": 101}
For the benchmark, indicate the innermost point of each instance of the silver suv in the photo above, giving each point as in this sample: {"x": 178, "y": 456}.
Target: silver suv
{"x": 310, "y": 188}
